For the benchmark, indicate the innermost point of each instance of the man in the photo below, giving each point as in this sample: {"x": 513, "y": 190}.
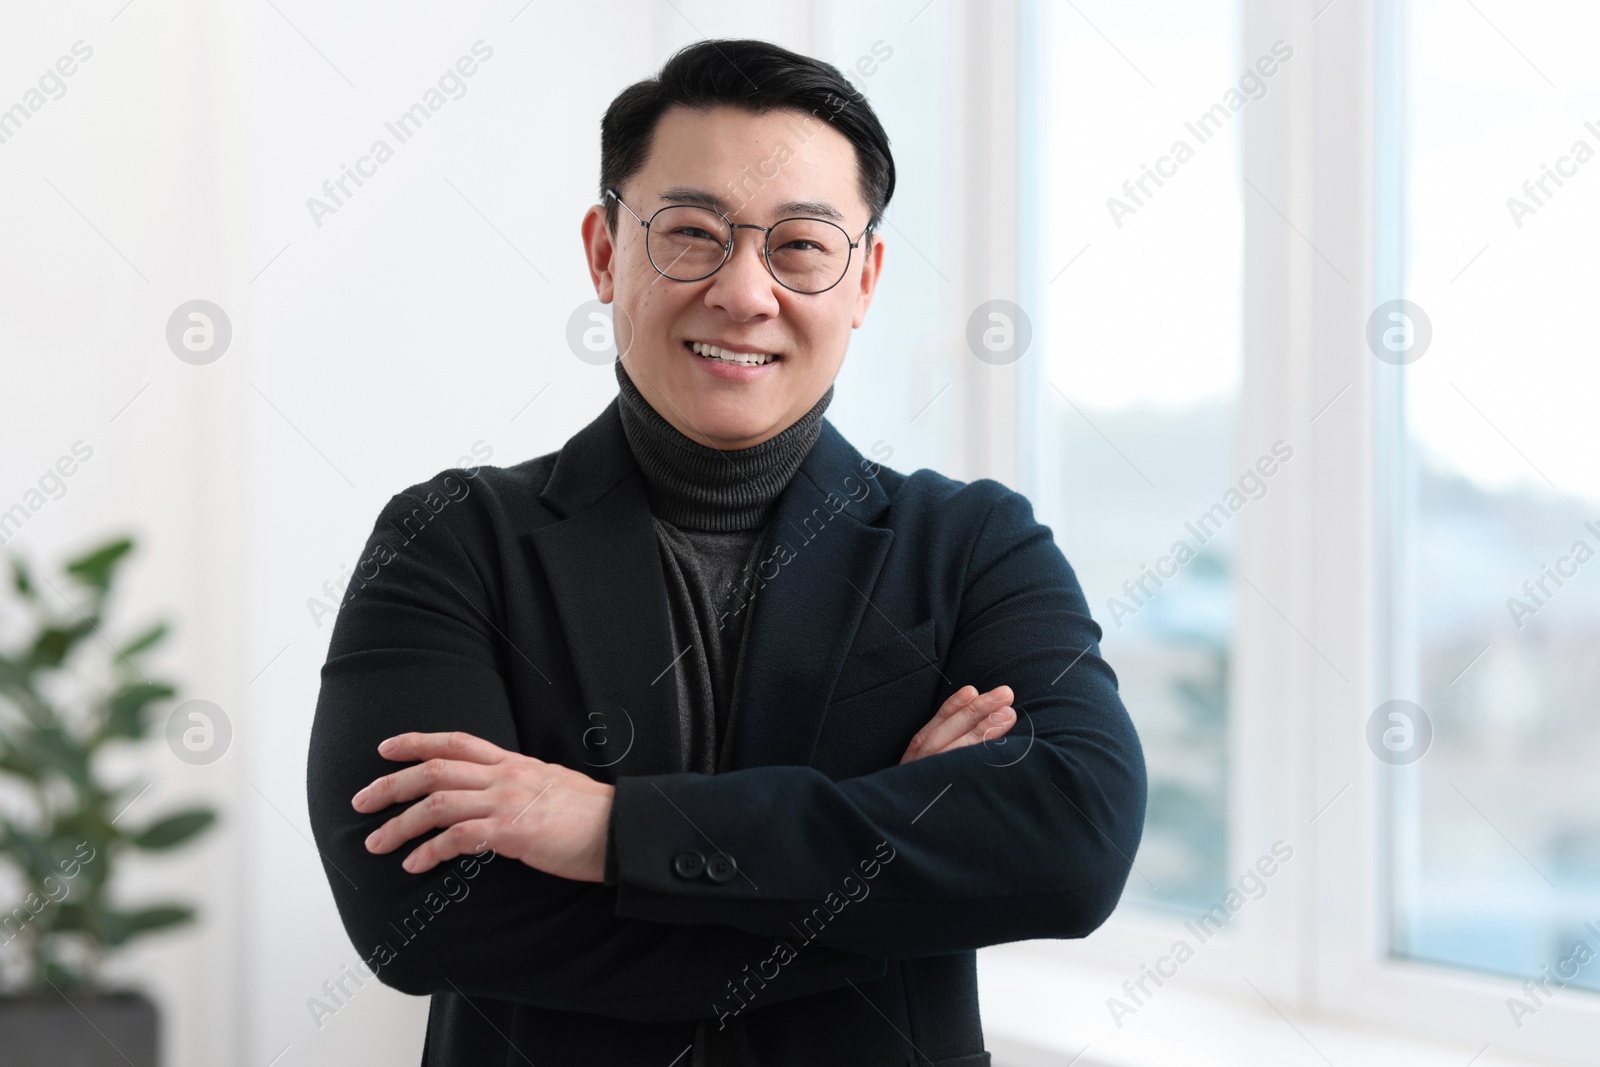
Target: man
{"x": 624, "y": 754}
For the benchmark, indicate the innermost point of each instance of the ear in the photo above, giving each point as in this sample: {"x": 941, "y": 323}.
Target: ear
{"x": 598, "y": 249}
{"x": 871, "y": 271}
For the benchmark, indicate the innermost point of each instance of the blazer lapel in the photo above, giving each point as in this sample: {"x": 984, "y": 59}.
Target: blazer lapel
{"x": 826, "y": 559}
{"x": 603, "y": 564}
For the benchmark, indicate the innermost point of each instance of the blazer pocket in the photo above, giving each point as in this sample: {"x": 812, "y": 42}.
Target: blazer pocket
{"x": 887, "y": 660}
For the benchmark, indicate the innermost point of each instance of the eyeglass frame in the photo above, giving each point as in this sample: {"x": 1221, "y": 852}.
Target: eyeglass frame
{"x": 727, "y": 249}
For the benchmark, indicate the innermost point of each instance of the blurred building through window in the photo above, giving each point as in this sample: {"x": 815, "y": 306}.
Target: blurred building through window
{"x": 1494, "y": 839}
{"x": 1132, "y": 247}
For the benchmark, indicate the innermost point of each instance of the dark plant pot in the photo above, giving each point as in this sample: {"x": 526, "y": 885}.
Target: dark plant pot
{"x": 103, "y": 1030}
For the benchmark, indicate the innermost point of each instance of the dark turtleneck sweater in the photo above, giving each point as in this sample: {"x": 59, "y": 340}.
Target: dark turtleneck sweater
{"x": 711, "y": 509}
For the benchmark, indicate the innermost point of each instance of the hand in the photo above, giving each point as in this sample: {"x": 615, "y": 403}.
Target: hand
{"x": 966, "y": 718}
{"x": 550, "y": 817}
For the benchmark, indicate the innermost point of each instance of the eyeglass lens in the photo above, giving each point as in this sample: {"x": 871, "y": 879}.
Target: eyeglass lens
{"x": 688, "y": 243}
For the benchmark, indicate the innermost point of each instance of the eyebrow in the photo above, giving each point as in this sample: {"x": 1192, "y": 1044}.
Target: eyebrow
{"x": 684, "y": 194}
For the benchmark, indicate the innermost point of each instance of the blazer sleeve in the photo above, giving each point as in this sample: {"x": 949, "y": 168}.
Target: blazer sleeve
{"x": 1032, "y": 838}
{"x": 414, "y": 648}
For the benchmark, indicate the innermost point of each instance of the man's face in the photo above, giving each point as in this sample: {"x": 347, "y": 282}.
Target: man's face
{"x": 753, "y": 165}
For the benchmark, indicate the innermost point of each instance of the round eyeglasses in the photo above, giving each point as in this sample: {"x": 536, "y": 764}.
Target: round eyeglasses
{"x": 690, "y": 244}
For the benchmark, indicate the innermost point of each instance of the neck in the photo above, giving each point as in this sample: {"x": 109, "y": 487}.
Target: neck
{"x": 703, "y": 488}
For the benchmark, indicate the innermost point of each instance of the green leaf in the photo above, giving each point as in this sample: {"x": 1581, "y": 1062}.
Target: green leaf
{"x": 83, "y": 846}
{"x": 50, "y": 648}
{"x": 125, "y": 710}
{"x": 22, "y": 581}
{"x": 123, "y": 926}
{"x": 15, "y": 762}
{"x": 98, "y": 567}
{"x": 175, "y": 829}
{"x": 13, "y": 673}
{"x": 20, "y": 691}
{"x": 40, "y": 855}
{"x": 74, "y": 917}
{"x": 145, "y": 640}
{"x": 33, "y": 752}
{"x": 31, "y": 851}
{"x": 66, "y": 978}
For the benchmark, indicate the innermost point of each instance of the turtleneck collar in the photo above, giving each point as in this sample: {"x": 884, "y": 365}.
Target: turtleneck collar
{"x": 702, "y": 488}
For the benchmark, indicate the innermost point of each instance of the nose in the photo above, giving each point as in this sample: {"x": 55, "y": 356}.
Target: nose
{"x": 743, "y": 287}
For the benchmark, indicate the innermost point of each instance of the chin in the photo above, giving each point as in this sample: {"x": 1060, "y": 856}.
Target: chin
{"x": 725, "y": 414}
{"x": 736, "y": 430}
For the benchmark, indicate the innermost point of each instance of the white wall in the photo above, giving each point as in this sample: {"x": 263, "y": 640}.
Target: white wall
{"x": 124, "y": 197}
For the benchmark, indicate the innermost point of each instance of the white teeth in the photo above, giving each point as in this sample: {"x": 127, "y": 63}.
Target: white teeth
{"x": 745, "y": 359}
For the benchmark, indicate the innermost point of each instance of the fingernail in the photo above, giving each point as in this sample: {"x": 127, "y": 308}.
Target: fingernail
{"x": 1000, "y": 716}
{"x": 371, "y": 838}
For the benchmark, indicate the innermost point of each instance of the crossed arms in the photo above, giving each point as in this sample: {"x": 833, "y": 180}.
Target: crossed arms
{"x": 1004, "y": 848}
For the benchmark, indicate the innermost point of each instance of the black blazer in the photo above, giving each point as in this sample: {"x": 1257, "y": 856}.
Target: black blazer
{"x": 825, "y": 897}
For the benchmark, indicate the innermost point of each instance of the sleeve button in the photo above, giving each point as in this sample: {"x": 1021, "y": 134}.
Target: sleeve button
{"x": 720, "y": 867}
{"x": 688, "y": 863}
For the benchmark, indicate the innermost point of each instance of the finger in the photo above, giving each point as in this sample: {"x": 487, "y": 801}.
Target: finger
{"x": 441, "y": 809}
{"x": 993, "y": 728}
{"x": 946, "y": 727}
{"x": 944, "y": 733}
{"x": 952, "y": 704}
{"x": 990, "y": 727}
{"x": 419, "y": 780}
{"x": 454, "y": 744}
{"x": 464, "y": 838}
{"x": 955, "y": 702}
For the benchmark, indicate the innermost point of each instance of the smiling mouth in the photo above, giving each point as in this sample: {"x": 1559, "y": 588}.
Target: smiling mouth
{"x": 734, "y": 359}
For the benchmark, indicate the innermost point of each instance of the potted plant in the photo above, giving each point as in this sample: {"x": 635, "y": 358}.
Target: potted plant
{"x": 68, "y": 693}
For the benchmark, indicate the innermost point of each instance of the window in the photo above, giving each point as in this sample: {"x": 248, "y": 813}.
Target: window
{"x": 1494, "y": 800}
{"x": 1134, "y": 254}
{"x": 1435, "y": 538}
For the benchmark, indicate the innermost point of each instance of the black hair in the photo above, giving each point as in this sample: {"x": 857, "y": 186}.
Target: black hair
{"x": 759, "y": 77}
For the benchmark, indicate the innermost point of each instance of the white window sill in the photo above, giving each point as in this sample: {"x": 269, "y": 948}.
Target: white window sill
{"x": 1041, "y": 1012}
